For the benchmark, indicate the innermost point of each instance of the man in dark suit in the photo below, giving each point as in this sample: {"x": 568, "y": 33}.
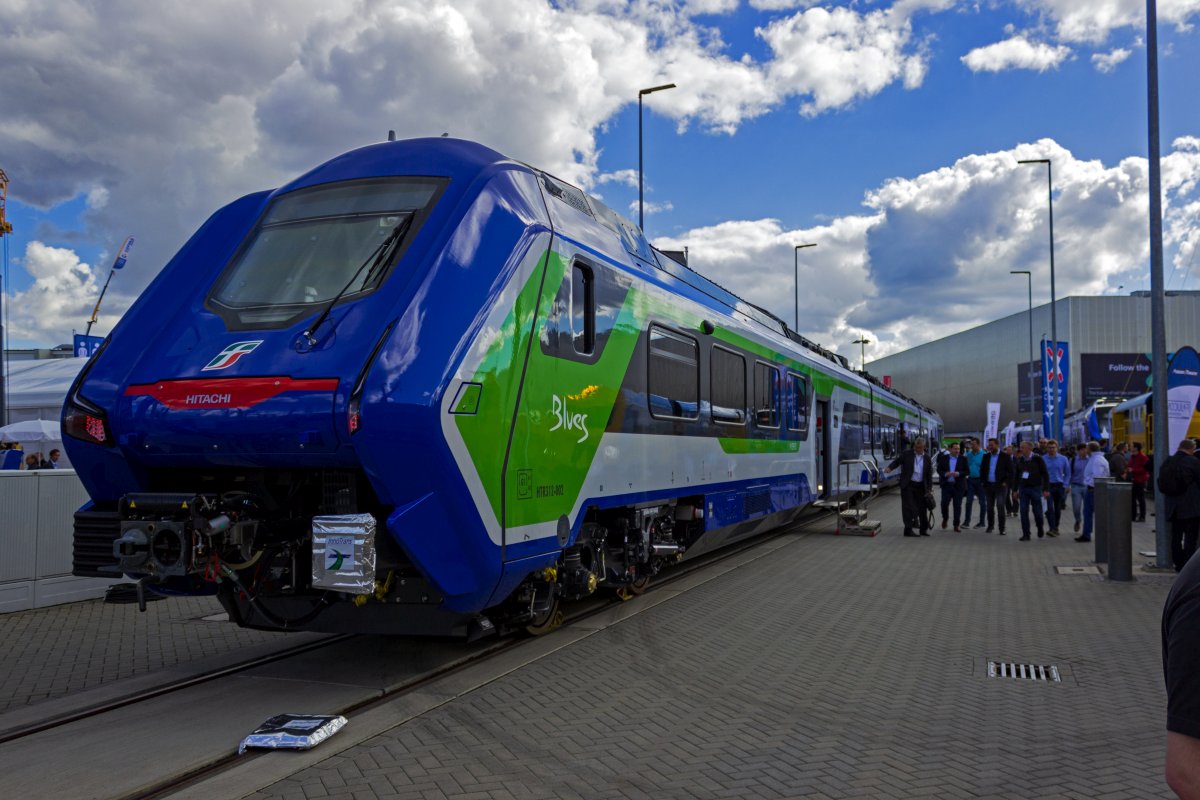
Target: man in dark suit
{"x": 952, "y": 477}
{"x": 916, "y": 481}
{"x": 1183, "y": 510}
{"x": 996, "y": 472}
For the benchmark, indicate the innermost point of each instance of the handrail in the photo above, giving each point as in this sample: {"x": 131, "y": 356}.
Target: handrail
{"x": 872, "y": 470}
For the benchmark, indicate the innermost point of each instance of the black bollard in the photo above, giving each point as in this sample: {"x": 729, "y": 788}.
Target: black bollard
{"x": 1120, "y": 531}
{"x": 1100, "y": 519}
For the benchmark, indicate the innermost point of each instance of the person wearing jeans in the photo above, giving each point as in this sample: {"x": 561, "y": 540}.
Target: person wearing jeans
{"x": 974, "y": 458}
{"x": 1097, "y": 467}
{"x": 1032, "y": 485}
{"x": 1058, "y": 471}
{"x": 1078, "y": 490}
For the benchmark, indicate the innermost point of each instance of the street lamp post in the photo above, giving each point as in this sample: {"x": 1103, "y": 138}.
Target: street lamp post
{"x": 799, "y": 247}
{"x": 1056, "y": 391}
{"x": 862, "y": 341}
{"x": 1029, "y": 276}
{"x": 642, "y": 93}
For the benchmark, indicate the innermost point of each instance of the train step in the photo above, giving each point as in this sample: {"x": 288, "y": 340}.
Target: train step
{"x": 867, "y": 527}
{"x": 835, "y": 504}
{"x": 855, "y": 514}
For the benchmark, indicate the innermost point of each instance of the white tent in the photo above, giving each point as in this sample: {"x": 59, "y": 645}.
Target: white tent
{"x": 37, "y": 389}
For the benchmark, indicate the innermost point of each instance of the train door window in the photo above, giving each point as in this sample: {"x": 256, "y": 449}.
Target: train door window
{"x": 727, "y": 375}
{"x": 583, "y": 309}
{"x": 674, "y": 379}
{"x": 797, "y": 413}
{"x": 766, "y": 395}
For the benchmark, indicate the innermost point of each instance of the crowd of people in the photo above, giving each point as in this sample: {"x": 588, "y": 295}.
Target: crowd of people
{"x": 1037, "y": 481}
{"x": 12, "y": 456}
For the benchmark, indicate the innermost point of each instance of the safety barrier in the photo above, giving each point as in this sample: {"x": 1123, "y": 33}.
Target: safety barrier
{"x": 37, "y": 511}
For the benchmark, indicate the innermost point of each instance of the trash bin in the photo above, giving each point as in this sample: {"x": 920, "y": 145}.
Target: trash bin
{"x": 1100, "y": 519}
{"x": 1120, "y": 531}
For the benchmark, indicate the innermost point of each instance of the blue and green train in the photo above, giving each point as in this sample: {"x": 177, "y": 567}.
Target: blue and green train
{"x": 427, "y": 389}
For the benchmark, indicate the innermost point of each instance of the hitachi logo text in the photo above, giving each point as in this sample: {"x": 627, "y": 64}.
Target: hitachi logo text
{"x": 208, "y": 399}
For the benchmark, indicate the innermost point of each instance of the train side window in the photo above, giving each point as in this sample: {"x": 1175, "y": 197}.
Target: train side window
{"x": 797, "y": 413}
{"x": 674, "y": 379}
{"x": 583, "y": 309}
{"x": 766, "y": 395}
{"x": 727, "y": 376}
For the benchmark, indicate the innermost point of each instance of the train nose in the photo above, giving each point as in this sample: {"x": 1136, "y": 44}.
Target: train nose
{"x": 219, "y": 417}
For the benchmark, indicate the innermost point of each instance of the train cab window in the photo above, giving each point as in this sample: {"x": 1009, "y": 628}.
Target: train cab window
{"x": 674, "y": 374}
{"x": 583, "y": 309}
{"x": 317, "y": 245}
{"x": 727, "y": 375}
{"x": 797, "y": 412}
{"x": 766, "y": 395}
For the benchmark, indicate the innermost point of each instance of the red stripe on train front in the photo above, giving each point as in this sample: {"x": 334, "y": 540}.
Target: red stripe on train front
{"x": 226, "y": 392}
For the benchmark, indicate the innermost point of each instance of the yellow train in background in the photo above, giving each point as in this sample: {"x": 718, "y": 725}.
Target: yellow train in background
{"x": 1133, "y": 421}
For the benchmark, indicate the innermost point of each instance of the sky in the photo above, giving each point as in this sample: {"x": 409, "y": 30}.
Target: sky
{"x": 885, "y": 132}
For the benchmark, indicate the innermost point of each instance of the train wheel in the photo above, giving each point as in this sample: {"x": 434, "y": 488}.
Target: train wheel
{"x": 548, "y": 620}
{"x": 639, "y": 586}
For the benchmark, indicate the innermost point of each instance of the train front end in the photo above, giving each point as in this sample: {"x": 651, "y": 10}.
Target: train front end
{"x": 267, "y": 410}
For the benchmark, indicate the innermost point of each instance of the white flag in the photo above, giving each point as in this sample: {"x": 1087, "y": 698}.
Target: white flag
{"x": 993, "y": 421}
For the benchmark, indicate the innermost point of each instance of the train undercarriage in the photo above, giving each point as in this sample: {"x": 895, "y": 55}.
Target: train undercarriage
{"x": 308, "y": 551}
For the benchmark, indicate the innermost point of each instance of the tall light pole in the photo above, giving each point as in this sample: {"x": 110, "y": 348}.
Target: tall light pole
{"x": 1158, "y": 328}
{"x": 1056, "y": 391}
{"x": 642, "y": 93}
{"x": 862, "y": 341}
{"x": 1029, "y": 276}
{"x": 799, "y": 247}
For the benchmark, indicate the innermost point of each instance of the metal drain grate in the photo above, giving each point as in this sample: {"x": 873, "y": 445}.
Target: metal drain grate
{"x": 1029, "y": 672}
{"x": 1078, "y": 570}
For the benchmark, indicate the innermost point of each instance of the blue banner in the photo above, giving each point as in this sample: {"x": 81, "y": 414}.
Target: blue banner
{"x": 85, "y": 346}
{"x": 1054, "y": 371}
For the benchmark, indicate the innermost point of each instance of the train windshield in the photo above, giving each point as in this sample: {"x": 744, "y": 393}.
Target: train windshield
{"x": 312, "y": 242}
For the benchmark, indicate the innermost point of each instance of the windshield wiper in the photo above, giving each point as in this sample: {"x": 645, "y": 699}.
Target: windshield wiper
{"x": 378, "y": 258}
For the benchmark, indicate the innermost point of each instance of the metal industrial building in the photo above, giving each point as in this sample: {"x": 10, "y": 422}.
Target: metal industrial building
{"x": 1108, "y": 346}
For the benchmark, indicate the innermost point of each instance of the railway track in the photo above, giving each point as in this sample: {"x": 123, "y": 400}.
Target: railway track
{"x": 576, "y": 612}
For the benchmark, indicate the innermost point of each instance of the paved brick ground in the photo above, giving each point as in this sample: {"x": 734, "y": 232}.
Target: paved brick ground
{"x": 838, "y": 667}
{"x": 52, "y": 652}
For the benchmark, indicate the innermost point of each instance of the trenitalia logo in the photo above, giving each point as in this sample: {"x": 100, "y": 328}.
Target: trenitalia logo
{"x": 230, "y": 355}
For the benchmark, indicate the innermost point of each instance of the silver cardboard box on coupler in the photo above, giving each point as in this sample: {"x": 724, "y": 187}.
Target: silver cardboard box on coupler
{"x": 343, "y": 553}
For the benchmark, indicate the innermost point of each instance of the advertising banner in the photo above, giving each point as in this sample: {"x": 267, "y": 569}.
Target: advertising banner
{"x": 1025, "y": 402}
{"x": 1010, "y": 433}
{"x": 1183, "y": 391}
{"x": 993, "y": 421}
{"x": 1054, "y": 376}
{"x": 1113, "y": 375}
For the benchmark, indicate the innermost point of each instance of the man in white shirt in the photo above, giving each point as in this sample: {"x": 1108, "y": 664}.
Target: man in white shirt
{"x": 1097, "y": 467}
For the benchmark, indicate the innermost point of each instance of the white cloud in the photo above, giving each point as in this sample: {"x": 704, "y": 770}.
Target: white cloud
{"x": 97, "y": 197}
{"x": 1015, "y": 53}
{"x": 624, "y": 177}
{"x": 931, "y": 254}
{"x": 838, "y": 56}
{"x": 62, "y": 295}
{"x": 651, "y": 208}
{"x": 1107, "y": 62}
{"x": 781, "y": 5}
{"x": 1091, "y": 21}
